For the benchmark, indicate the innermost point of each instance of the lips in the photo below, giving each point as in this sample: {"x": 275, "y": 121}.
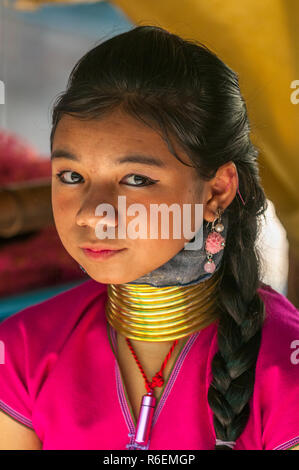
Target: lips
{"x": 98, "y": 249}
{"x": 101, "y": 254}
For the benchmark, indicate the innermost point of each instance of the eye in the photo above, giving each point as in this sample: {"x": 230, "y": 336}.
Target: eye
{"x": 61, "y": 173}
{"x": 149, "y": 181}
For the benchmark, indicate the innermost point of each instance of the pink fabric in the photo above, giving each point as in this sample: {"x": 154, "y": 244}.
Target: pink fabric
{"x": 37, "y": 259}
{"x": 61, "y": 378}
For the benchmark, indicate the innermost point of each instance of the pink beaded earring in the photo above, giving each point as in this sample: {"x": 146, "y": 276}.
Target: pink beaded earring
{"x": 214, "y": 242}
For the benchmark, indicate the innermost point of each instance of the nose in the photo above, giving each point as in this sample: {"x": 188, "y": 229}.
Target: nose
{"x": 96, "y": 210}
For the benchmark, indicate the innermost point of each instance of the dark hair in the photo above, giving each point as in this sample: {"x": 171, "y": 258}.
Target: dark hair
{"x": 183, "y": 89}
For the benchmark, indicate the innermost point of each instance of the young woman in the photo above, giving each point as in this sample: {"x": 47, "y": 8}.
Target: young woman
{"x": 164, "y": 347}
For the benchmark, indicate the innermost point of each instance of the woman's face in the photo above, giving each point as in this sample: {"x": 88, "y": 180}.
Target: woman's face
{"x": 96, "y": 177}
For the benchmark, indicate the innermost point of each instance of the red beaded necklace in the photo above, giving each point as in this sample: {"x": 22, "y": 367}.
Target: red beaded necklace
{"x": 148, "y": 402}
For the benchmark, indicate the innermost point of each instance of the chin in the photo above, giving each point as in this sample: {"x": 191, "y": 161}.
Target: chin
{"x": 111, "y": 279}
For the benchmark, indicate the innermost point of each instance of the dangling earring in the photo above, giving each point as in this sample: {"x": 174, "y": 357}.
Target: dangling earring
{"x": 214, "y": 242}
{"x": 81, "y": 267}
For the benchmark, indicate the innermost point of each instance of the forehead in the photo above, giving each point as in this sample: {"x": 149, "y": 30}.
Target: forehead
{"x": 113, "y": 136}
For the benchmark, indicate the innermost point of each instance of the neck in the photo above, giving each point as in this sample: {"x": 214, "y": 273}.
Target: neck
{"x": 162, "y": 314}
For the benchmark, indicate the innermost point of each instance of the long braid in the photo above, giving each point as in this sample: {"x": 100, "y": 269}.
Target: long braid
{"x": 240, "y": 325}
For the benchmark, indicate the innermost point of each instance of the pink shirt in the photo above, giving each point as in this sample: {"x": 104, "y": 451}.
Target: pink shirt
{"x": 61, "y": 378}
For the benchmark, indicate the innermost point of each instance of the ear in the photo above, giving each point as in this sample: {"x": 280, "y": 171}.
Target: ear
{"x": 220, "y": 191}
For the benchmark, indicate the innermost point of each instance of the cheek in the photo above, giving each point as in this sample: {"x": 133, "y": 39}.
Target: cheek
{"x": 165, "y": 228}
{"x": 62, "y": 206}
{"x": 163, "y": 237}
{"x": 193, "y": 199}
{"x": 62, "y": 214}
{"x": 58, "y": 211}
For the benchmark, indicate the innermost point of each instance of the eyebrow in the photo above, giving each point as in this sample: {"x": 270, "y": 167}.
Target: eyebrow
{"x": 132, "y": 158}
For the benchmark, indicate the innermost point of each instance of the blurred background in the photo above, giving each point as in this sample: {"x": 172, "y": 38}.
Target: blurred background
{"x": 40, "y": 42}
